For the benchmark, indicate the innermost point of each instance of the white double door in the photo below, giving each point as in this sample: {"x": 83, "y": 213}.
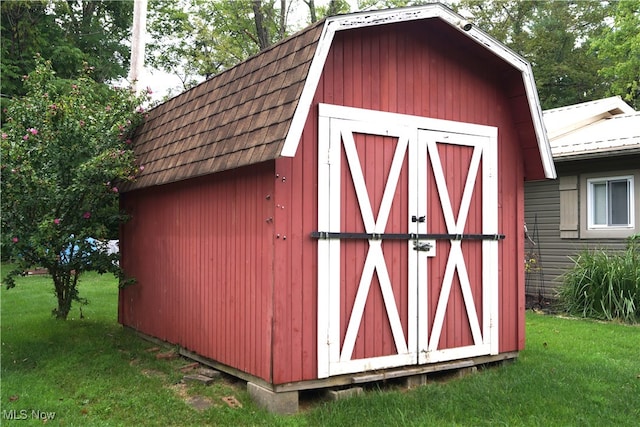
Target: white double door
{"x": 407, "y": 268}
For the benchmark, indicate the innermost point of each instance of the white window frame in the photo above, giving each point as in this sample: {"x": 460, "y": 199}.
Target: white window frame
{"x": 591, "y": 199}
{"x": 587, "y": 230}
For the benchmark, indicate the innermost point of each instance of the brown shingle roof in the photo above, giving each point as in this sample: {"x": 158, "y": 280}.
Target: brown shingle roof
{"x": 236, "y": 118}
{"x": 256, "y": 111}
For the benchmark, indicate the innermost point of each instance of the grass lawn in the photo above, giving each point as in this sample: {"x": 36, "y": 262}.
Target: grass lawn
{"x": 93, "y": 372}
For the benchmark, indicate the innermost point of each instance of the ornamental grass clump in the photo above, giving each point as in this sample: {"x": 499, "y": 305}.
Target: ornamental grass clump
{"x": 604, "y": 285}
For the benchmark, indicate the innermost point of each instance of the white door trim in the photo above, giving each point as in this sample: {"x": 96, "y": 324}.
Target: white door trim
{"x": 419, "y": 137}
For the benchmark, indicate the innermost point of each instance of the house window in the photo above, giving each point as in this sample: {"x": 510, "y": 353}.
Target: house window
{"x": 610, "y": 202}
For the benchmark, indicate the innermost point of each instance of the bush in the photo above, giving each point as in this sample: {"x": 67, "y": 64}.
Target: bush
{"x": 66, "y": 150}
{"x": 604, "y": 285}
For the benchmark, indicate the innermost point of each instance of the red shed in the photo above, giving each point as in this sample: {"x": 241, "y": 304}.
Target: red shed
{"x": 344, "y": 206}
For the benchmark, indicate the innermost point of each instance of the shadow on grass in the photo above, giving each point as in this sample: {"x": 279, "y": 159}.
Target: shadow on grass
{"x": 53, "y": 341}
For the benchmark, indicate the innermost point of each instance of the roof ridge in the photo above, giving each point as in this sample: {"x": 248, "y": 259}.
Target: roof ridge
{"x": 586, "y": 104}
{"x": 624, "y": 115}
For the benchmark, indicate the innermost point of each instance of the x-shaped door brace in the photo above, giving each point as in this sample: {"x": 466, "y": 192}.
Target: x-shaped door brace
{"x": 455, "y": 225}
{"x": 374, "y": 261}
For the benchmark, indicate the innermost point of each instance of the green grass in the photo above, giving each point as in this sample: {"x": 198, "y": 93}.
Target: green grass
{"x": 93, "y": 372}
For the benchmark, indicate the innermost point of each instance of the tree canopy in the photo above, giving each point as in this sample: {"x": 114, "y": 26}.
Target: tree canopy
{"x": 619, "y": 50}
{"x": 555, "y": 36}
{"x": 196, "y": 39}
{"x": 200, "y": 38}
{"x": 66, "y": 32}
{"x": 579, "y": 50}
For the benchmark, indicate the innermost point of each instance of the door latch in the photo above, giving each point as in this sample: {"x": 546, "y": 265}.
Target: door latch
{"x": 418, "y": 218}
{"x": 423, "y": 247}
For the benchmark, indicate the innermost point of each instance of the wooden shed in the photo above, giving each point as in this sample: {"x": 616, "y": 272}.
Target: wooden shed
{"x": 346, "y": 205}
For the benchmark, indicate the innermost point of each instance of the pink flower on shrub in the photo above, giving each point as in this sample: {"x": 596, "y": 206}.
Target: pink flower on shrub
{"x": 15, "y": 240}
{"x": 56, "y": 221}
{"x": 128, "y": 141}
{"x": 82, "y": 123}
{"x": 25, "y": 137}
{"x": 33, "y": 131}
{"x": 141, "y": 168}
{"x": 86, "y": 215}
{"x": 114, "y": 189}
{"x": 4, "y": 135}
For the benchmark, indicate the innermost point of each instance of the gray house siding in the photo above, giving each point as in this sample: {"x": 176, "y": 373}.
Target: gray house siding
{"x": 552, "y": 252}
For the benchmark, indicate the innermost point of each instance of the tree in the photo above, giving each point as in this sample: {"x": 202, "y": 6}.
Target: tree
{"x": 26, "y": 30}
{"x": 619, "y": 49}
{"x": 66, "y": 150}
{"x": 555, "y": 37}
{"x": 68, "y": 33}
{"x": 201, "y": 38}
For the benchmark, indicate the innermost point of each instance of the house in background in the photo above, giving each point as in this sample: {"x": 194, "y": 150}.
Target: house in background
{"x": 595, "y": 202}
{"x": 344, "y": 207}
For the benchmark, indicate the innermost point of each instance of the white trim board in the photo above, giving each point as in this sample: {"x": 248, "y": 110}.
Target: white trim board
{"x": 387, "y": 16}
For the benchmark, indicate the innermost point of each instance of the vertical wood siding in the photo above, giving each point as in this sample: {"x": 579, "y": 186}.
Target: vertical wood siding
{"x": 201, "y": 253}
{"x": 412, "y": 70}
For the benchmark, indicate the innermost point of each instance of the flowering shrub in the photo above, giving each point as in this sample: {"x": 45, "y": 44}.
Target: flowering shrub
{"x": 64, "y": 157}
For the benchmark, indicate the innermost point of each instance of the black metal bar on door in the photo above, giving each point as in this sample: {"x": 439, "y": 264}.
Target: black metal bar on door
{"x": 403, "y": 236}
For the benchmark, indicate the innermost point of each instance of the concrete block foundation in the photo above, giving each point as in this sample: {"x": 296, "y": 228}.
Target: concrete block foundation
{"x": 344, "y": 394}
{"x": 284, "y": 403}
{"x": 414, "y": 381}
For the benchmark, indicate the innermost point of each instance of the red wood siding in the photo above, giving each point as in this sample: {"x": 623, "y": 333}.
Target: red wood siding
{"x": 201, "y": 251}
{"x": 412, "y": 70}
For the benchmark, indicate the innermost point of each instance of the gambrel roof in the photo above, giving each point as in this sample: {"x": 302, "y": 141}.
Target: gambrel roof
{"x": 236, "y": 118}
{"x": 603, "y": 127}
{"x": 255, "y": 111}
